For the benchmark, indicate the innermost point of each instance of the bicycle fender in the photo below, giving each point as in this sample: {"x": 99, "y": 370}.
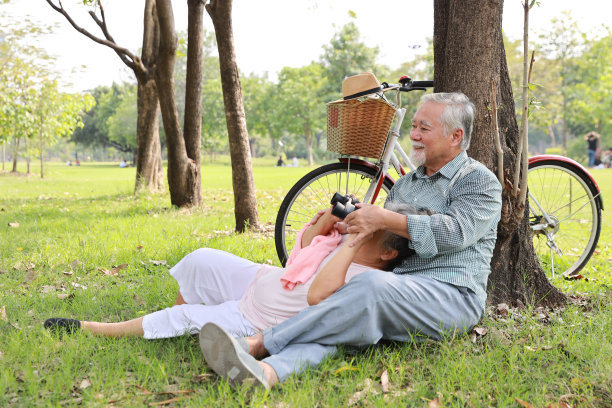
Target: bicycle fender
{"x": 579, "y": 167}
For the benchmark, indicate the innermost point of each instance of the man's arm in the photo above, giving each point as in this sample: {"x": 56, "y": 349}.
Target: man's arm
{"x": 332, "y": 276}
{"x": 371, "y": 218}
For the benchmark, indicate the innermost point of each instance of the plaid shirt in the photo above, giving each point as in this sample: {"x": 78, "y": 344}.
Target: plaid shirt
{"x": 455, "y": 245}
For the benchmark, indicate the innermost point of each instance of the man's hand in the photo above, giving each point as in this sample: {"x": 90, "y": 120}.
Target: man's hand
{"x": 364, "y": 222}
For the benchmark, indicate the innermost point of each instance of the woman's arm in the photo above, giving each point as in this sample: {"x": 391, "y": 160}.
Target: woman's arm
{"x": 332, "y": 276}
{"x": 321, "y": 226}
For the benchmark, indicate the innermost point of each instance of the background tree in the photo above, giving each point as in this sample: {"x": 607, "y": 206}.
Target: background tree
{"x": 468, "y": 55}
{"x": 346, "y": 55}
{"x": 121, "y": 125}
{"x": 303, "y": 108}
{"x": 562, "y": 45}
{"x": 591, "y": 101}
{"x": 56, "y": 114}
{"x": 148, "y": 161}
{"x": 245, "y": 202}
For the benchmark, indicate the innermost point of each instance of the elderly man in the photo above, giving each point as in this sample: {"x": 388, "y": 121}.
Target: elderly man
{"x": 439, "y": 292}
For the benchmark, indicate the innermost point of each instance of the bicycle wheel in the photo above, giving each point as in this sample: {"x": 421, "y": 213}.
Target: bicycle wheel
{"x": 313, "y": 192}
{"x": 567, "y": 195}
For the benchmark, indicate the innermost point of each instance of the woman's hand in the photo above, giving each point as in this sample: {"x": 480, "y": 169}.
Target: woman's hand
{"x": 318, "y": 215}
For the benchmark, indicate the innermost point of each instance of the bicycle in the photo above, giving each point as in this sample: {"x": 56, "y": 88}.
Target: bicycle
{"x": 565, "y": 202}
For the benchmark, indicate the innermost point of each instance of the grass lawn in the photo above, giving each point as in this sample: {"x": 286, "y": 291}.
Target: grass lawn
{"x": 79, "y": 244}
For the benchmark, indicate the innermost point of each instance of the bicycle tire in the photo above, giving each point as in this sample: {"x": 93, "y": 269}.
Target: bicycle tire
{"x": 567, "y": 194}
{"x": 313, "y": 192}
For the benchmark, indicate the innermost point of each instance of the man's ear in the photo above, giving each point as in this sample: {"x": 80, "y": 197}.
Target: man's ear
{"x": 456, "y": 137}
{"x": 389, "y": 254}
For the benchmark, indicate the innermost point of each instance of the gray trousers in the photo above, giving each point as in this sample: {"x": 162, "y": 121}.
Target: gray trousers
{"x": 372, "y": 306}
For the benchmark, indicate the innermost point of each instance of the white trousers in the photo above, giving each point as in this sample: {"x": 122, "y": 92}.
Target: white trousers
{"x": 216, "y": 278}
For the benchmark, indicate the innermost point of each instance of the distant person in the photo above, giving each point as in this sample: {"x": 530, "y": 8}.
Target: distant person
{"x": 122, "y": 164}
{"x": 77, "y": 163}
{"x": 294, "y": 162}
{"x": 280, "y": 162}
{"x": 68, "y": 163}
{"x": 592, "y": 139}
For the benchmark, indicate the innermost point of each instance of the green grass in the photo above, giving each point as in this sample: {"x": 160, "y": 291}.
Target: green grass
{"x": 80, "y": 221}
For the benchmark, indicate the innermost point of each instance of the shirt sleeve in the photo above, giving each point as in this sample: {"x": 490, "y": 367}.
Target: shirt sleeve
{"x": 474, "y": 205}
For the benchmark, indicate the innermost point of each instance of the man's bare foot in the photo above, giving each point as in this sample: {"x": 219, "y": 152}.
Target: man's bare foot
{"x": 269, "y": 373}
{"x": 256, "y": 346}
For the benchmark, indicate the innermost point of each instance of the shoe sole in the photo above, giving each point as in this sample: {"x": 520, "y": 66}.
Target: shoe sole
{"x": 226, "y": 357}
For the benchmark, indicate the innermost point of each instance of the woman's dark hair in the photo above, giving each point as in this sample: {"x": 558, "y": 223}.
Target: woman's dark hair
{"x": 399, "y": 243}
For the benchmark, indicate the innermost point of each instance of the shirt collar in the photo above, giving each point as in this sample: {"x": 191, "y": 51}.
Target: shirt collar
{"x": 449, "y": 169}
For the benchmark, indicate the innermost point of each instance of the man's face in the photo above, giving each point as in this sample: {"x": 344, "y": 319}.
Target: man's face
{"x": 431, "y": 147}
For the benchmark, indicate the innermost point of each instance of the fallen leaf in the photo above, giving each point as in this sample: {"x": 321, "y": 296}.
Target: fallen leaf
{"x": 481, "y": 331}
{"x": 63, "y": 296}
{"x": 108, "y": 272}
{"x": 166, "y": 402}
{"x": 47, "y": 289}
{"x": 2, "y": 272}
{"x": 384, "y": 381}
{"x": 139, "y": 247}
{"x": 86, "y": 383}
{"x": 201, "y": 377}
{"x": 523, "y": 403}
{"x": 502, "y": 310}
{"x": 3, "y": 314}
{"x": 345, "y": 368}
{"x": 434, "y": 403}
{"x": 13, "y": 224}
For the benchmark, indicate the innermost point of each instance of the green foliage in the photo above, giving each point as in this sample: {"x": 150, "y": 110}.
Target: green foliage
{"x": 346, "y": 55}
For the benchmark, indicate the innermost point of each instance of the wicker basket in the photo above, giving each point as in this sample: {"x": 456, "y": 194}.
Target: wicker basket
{"x": 358, "y": 128}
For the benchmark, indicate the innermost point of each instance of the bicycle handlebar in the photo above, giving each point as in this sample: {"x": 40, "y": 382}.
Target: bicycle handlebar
{"x": 407, "y": 85}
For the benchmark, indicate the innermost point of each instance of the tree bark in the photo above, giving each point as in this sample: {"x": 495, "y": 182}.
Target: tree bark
{"x": 468, "y": 54}
{"x": 149, "y": 173}
{"x": 183, "y": 173}
{"x": 245, "y": 202}
{"x": 15, "y": 153}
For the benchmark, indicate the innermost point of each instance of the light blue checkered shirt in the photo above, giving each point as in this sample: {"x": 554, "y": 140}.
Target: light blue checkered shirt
{"x": 455, "y": 245}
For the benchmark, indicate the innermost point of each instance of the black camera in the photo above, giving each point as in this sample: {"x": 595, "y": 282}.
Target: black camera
{"x": 343, "y": 205}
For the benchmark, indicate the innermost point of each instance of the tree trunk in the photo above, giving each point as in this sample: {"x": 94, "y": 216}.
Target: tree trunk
{"x": 193, "y": 92}
{"x": 308, "y": 137}
{"x": 469, "y": 54}
{"x": 551, "y": 132}
{"x": 15, "y": 153}
{"x": 41, "y": 147}
{"x": 149, "y": 173}
{"x": 245, "y": 202}
{"x": 183, "y": 173}
{"x": 148, "y": 156}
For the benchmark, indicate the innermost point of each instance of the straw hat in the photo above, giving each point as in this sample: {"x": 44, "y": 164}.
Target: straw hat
{"x": 360, "y": 85}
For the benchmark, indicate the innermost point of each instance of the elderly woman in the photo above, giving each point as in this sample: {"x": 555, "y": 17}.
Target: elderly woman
{"x": 244, "y": 297}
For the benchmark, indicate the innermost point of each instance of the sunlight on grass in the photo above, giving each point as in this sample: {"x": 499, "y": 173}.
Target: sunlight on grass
{"x": 59, "y": 238}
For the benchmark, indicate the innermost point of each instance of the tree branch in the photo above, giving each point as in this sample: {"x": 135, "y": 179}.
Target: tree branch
{"x": 124, "y": 54}
{"x": 498, "y": 147}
